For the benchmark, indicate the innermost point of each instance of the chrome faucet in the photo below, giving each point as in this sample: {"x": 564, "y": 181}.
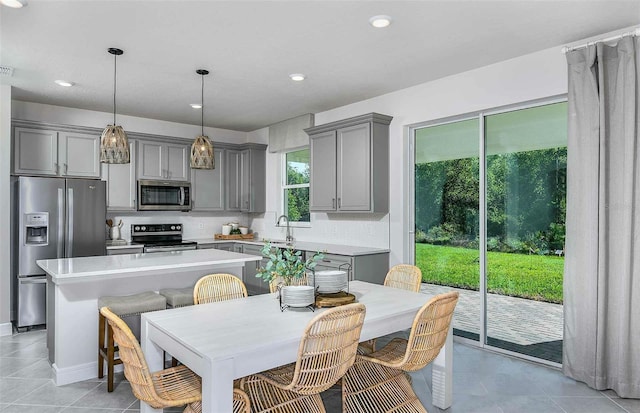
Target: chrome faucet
{"x": 289, "y": 237}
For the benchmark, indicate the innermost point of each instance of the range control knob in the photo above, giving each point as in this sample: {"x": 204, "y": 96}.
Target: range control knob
{"x": 173, "y": 227}
{"x": 143, "y": 228}
{"x": 136, "y": 228}
{"x": 178, "y": 227}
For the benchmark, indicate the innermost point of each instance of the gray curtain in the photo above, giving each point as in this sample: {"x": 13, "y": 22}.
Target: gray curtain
{"x": 602, "y": 264}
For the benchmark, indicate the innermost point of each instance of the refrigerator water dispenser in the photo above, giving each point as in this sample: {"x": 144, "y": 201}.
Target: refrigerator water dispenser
{"x": 36, "y": 228}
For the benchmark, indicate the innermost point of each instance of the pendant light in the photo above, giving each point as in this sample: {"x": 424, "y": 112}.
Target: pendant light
{"x": 202, "y": 148}
{"x": 114, "y": 146}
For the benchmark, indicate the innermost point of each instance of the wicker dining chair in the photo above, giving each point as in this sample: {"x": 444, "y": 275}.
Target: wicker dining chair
{"x": 377, "y": 382}
{"x": 175, "y": 386}
{"x": 218, "y": 287}
{"x": 278, "y": 281}
{"x": 326, "y": 351}
{"x": 405, "y": 277}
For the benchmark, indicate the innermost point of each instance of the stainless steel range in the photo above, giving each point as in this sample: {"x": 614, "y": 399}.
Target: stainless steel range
{"x": 160, "y": 237}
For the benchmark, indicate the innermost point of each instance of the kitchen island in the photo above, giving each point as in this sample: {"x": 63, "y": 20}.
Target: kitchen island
{"x": 75, "y": 284}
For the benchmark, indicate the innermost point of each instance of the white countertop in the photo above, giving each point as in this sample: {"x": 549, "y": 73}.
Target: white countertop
{"x": 337, "y": 249}
{"x": 86, "y": 269}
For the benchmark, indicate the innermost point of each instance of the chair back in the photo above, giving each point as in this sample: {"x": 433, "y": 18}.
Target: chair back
{"x": 277, "y": 281}
{"x": 429, "y": 331}
{"x": 327, "y": 349}
{"x": 218, "y": 287}
{"x": 405, "y": 277}
{"x": 135, "y": 365}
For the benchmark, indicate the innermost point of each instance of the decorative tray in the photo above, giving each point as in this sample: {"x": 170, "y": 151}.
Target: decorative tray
{"x": 335, "y": 299}
{"x": 233, "y": 236}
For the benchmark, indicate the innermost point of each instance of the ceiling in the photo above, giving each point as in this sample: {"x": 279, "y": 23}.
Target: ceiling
{"x": 250, "y": 48}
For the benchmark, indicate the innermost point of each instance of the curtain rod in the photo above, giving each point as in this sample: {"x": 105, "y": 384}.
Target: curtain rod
{"x": 635, "y": 32}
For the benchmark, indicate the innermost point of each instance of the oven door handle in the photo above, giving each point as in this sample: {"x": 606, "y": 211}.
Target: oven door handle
{"x": 169, "y": 248}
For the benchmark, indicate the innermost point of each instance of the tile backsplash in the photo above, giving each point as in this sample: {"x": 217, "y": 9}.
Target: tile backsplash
{"x": 194, "y": 226}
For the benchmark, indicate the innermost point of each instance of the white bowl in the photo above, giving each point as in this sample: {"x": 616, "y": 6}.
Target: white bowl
{"x": 244, "y": 230}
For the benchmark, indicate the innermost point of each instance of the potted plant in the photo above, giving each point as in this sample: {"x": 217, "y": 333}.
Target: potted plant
{"x": 288, "y": 265}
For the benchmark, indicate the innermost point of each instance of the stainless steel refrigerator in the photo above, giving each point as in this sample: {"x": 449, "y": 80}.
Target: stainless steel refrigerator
{"x": 52, "y": 218}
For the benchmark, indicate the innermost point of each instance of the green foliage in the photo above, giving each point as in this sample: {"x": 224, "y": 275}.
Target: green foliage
{"x": 536, "y": 277}
{"x": 286, "y": 263}
{"x": 297, "y": 199}
{"x": 525, "y": 197}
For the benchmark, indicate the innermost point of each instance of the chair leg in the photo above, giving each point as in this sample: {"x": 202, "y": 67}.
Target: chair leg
{"x": 110, "y": 358}
{"x": 101, "y": 323}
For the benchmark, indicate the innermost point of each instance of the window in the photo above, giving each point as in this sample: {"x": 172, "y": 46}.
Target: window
{"x": 295, "y": 185}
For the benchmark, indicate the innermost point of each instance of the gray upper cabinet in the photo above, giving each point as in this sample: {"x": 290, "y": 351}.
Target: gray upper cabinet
{"x": 233, "y": 180}
{"x": 323, "y": 158}
{"x": 207, "y": 186}
{"x": 121, "y": 183}
{"x": 245, "y": 180}
{"x": 350, "y": 165}
{"x": 57, "y": 153}
{"x": 163, "y": 161}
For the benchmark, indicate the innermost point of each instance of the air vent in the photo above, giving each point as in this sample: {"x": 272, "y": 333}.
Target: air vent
{"x": 6, "y": 71}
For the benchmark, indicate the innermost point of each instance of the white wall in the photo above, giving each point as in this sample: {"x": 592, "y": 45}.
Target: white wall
{"x": 5, "y": 167}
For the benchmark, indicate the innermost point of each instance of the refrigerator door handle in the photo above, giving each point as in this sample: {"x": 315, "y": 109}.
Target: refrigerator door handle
{"x": 69, "y": 243}
{"x": 60, "y": 251}
{"x": 37, "y": 280}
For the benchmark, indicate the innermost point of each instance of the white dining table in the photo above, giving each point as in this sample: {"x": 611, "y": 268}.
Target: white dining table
{"x": 228, "y": 340}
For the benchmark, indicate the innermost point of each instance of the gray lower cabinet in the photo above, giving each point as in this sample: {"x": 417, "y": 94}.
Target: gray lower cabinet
{"x": 163, "y": 161}
{"x": 121, "y": 183}
{"x": 254, "y": 284}
{"x": 225, "y": 246}
{"x": 245, "y": 179}
{"x": 207, "y": 186}
{"x": 370, "y": 268}
{"x": 57, "y": 153}
{"x": 350, "y": 165}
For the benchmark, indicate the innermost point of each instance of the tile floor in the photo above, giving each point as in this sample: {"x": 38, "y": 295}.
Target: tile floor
{"x": 483, "y": 382}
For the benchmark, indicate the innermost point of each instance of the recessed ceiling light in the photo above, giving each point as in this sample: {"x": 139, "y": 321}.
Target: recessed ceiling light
{"x": 297, "y": 77}
{"x": 15, "y": 4}
{"x": 196, "y": 105}
{"x": 64, "y": 83}
{"x": 380, "y": 21}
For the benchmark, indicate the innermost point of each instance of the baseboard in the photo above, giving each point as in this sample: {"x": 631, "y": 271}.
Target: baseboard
{"x": 81, "y": 372}
{"x": 6, "y": 329}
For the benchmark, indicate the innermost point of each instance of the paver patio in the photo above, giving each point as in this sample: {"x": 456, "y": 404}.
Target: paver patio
{"x": 517, "y": 324}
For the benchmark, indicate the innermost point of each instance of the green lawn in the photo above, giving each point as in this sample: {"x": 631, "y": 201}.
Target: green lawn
{"x": 537, "y": 277}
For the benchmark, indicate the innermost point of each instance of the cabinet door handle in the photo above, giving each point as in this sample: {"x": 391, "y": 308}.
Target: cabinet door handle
{"x": 65, "y": 168}
{"x": 339, "y": 203}
{"x": 333, "y": 203}
{"x": 57, "y": 168}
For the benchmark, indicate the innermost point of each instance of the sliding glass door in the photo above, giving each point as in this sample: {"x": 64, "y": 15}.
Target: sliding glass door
{"x": 489, "y": 218}
{"x": 446, "y": 214}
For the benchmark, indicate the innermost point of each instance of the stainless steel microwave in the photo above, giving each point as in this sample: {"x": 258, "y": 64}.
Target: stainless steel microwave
{"x": 164, "y": 195}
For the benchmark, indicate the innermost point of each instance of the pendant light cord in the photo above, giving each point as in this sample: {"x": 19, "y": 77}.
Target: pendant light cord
{"x": 115, "y": 70}
{"x": 202, "y": 106}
